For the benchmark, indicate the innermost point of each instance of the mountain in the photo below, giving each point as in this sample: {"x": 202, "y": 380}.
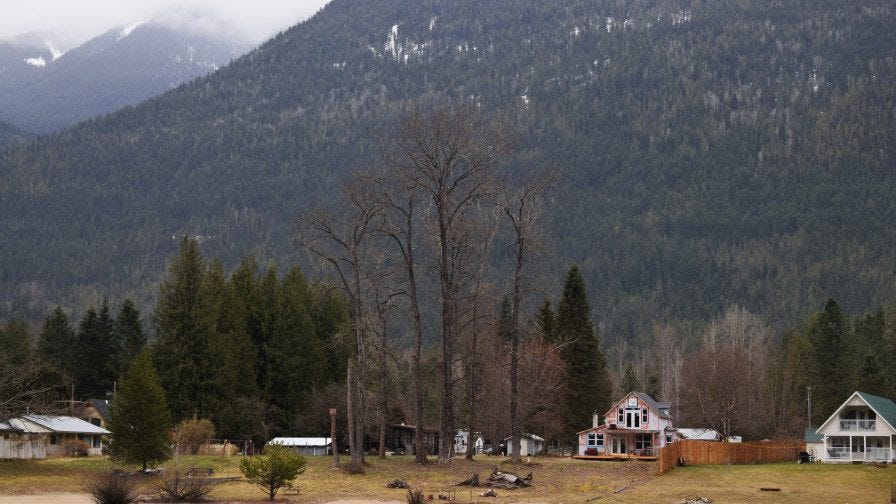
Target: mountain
{"x": 713, "y": 152}
{"x": 10, "y": 135}
{"x": 43, "y": 88}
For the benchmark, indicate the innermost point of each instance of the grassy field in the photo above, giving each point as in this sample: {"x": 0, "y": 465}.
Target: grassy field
{"x": 555, "y": 481}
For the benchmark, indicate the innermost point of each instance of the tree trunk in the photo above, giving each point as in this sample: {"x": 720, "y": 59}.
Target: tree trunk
{"x": 446, "y": 413}
{"x": 514, "y": 352}
{"x": 384, "y": 399}
{"x": 350, "y": 410}
{"x": 333, "y": 446}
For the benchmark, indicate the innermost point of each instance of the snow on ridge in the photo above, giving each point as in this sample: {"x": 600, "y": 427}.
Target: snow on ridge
{"x": 127, "y": 31}
{"x": 38, "y": 62}
{"x": 432, "y": 22}
{"x": 54, "y": 51}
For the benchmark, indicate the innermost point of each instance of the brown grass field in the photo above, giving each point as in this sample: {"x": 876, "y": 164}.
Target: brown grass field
{"x": 554, "y": 481}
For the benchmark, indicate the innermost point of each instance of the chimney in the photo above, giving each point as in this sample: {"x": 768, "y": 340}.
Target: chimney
{"x": 595, "y": 419}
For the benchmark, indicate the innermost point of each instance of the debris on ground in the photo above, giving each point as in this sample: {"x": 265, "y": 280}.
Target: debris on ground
{"x": 508, "y": 481}
{"x": 397, "y": 483}
{"x": 472, "y": 481}
{"x": 696, "y": 500}
{"x": 489, "y": 493}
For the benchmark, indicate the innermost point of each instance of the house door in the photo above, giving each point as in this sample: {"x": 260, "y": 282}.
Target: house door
{"x": 633, "y": 418}
{"x": 858, "y": 448}
{"x": 618, "y": 445}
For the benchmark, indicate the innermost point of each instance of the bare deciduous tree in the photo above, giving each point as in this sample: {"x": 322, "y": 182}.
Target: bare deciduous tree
{"x": 344, "y": 242}
{"x": 450, "y": 156}
{"x": 28, "y": 386}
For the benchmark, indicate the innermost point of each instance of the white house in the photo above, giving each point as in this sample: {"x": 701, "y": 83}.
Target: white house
{"x": 861, "y": 429}
{"x": 460, "y": 442}
{"x": 530, "y": 444}
{"x": 36, "y": 436}
{"x": 635, "y": 426}
{"x": 305, "y": 445}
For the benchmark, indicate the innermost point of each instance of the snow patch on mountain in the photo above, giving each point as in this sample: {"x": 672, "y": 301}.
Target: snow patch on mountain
{"x": 55, "y": 52}
{"x": 38, "y": 62}
{"x": 127, "y": 30}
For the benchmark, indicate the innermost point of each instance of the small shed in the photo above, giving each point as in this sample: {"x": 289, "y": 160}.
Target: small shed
{"x": 814, "y": 444}
{"x": 15, "y": 443}
{"x": 530, "y": 444}
{"x": 460, "y": 442}
{"x": 305, "y": 445}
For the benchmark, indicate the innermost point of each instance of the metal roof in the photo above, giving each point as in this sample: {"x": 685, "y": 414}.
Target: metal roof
{"x": 301, "y": 441}
{"x": 4, "y": 426}
{"x": 65, "y": 424}
{"x": 700, "y": 434}
{"x": 811, "y": 436}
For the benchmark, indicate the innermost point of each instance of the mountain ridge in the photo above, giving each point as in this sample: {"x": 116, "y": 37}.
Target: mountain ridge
{"x": 713, "y": 154}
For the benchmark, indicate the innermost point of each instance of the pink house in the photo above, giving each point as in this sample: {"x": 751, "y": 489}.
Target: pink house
{"x": 636, "y": 426}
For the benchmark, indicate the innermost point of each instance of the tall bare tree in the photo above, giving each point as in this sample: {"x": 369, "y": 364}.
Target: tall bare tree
{"x": 344, "y": 241}
{"x": 523, "y": 208}
{"x": 451, "y": 156}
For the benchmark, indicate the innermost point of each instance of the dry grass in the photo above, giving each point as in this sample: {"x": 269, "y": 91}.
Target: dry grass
{"x": 555, "y": 481}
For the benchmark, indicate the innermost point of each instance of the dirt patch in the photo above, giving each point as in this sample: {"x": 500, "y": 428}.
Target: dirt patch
{"x": 50, "y": 498}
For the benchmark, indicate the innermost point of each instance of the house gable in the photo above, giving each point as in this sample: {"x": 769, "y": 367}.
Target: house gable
{"x": 883, "y": 408}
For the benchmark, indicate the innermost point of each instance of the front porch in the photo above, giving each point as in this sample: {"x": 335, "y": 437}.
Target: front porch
{"x": 858, "y": 449}
{"x": 620, "y": 444}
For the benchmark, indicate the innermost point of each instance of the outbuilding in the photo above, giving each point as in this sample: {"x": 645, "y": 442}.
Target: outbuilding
{"x": 305, "y": 445}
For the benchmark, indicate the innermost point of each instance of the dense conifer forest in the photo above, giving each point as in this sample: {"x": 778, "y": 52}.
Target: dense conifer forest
{"x": 712, "y": 154}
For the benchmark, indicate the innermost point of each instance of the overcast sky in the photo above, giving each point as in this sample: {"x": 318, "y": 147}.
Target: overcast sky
{"x": 78, "y": 20}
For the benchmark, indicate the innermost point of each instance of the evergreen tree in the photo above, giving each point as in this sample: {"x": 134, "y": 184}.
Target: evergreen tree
{"x": 831, "y": 361}
{"x": 630, "y": 382}
{"x": 546, "y": 321}
{"x": 57, "y": 339}
{"x": 870, "y": 349}
{"x": 129, "y": 333}
{"x": 184, "y": 325}
{"x": 588, "y": 386}
{"x": 140, "y": 422}
{"x": 15, "y": 342}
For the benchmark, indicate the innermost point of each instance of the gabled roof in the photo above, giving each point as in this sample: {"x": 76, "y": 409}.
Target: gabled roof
{"x": 102, "y": 407}
{"x": 882, "y": 407}
{"x": 812, "y": 437}
{"x": 301, "y": 441}
{"x": 529, "y": 436}
{"x": 65, "y": 424}
{"x": 646, "y": 399}
{"x": 5, "y": 426}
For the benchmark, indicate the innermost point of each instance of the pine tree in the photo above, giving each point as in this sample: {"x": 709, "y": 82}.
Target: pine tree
{"x": 184, "y": 325}
{"x": 87, "y": 339}
{"x": 140, "y": 422}
{"x": 588, "y": 385}
{"x": 630, "y": 382}
{"x": 546, "y": 321}
{"x": 831, "y": 361}
{"x": 15, "y": 342}
{"x": 870, "y": 349}
{"x": 57, "y": 339}
{"x": 129, "y": 333}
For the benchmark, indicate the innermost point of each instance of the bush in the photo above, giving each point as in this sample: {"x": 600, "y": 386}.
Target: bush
{"x": 415, "y": 496}
{"x": 191, "y": 434}
{"x": 278, "y": 468}
{"x": 111, "y": 487}
{"x": 182, "y": 488}
{"x": 75, "y": 448}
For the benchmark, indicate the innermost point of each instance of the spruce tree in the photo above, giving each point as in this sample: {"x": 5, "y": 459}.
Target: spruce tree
{"x": 546, "y": 321}
{"x": 630, "y": 382}
{"x": 831, "y": 361}
{"x": 129, "y": 333}
{"x": 57, "y": 339}
{"x": 588, "y": 386}
{"x": 15, "y": 342}
{"x": 140, "y": 422}
{"x": 183, "y": 324}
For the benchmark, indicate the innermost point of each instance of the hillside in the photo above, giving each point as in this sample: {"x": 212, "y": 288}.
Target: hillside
{"x": 714, "y": 153}
{"x": 44, "y": 88}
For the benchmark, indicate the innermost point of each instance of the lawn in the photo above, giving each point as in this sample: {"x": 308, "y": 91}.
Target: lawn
{"x": 555, "y": 481}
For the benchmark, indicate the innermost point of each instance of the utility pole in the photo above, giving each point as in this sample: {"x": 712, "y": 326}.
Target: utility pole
{"x": 809, "y": 403}
{"x": 333, "y": 437}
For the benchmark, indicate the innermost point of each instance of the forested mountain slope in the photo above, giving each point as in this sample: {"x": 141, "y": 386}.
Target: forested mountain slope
{"x": 43, "y": 88}
{"x": 713, "y": 152}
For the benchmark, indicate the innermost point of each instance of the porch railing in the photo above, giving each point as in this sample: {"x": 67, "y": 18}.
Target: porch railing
{"x": 839, "y": 453}
{"x": 858, "y": 425}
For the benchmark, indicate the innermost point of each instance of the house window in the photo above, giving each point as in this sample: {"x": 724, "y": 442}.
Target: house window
{"x": 643, "y": 441}
{"x": 96, "y": 441}
{"x": 644, "y": 415}
{"x": 96, "y": 421}
{"x": 592, "y": 440}
{"x": 54, "y": 439}
{"x": 621, "y": 415}
{"x": 668, "y": 438}
{"x": 599, "y": 440}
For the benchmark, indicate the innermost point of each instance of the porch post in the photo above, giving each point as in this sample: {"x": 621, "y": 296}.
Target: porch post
{"x": 890, "y": 452}
{"x": 865, "y": 448}
{"x": 850, "y": 448}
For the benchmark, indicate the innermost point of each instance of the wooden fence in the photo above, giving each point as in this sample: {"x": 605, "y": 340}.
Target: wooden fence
{"x": 692, "y": 452}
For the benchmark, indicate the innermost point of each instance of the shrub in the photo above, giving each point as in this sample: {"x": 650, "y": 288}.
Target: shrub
{"x": 415, "y": 496}
{"x": 75, "y": 448}
{"x": 111, "y": 487}
{"x": 191, "y": 434}
{"x": 183, "y": 488}
{"x": 278, "y": 468}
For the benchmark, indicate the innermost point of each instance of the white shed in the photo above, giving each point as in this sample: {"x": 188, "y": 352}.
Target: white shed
{"x": 305, "y": 445}
{"x": 530, "y": 444}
